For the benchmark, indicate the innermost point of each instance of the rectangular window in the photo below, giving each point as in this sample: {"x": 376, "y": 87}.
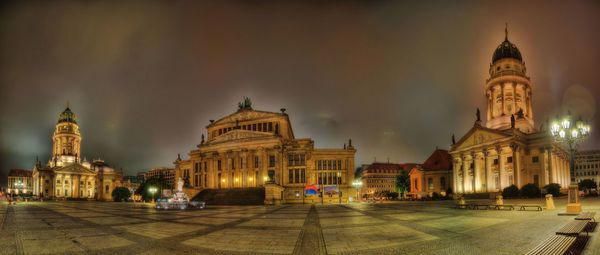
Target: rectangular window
{"x": 290, "y": 160}
{"x": 205, "y": 180}
{"x": 430, "y": 182}
{"x": 320, "y": 179}
{"x": 535, "y": 159}
{"x": 443, "y": 183}
{"x": 233, "y": 163}
{"x": 329, "y": 180}
{"x": 302, "y": 160}
{"x": 255, "y": 162}
{"x": 220, "y": 132}
{"x": 271, "y": 161}
{"x": 297, "y": 160}
{"x": 318, "y": 164}
{"x": 495, "y": 161}
{"x": 259, "y": 126}
{"x": 509, "y": 160}
{"x": 340, "y": 179}
{"x": 244, "y": 127}
{"x": 335, "y": 178}
{"x": 328, "y": 164}
{"x": 218, "y": 164}
{"x": 205, "y": 169}
{"x": 270, "y": 126}
{"x": 253, "y": 127}
{"x": 291, "y": 176}
{"x": 297, "y": 176}
{"x": 302, "y": 177}
{"x": 339, "y": 164}
{"x": 334, "y": 165}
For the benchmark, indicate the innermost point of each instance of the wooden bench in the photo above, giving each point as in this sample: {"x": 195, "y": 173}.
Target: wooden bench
{"x": 479, "y": 206}
{"x": 573, "y": 228}
{"x": 502, "y": 207}
{"x": 555, "y": 245}
{"x": 464, "y": 206}
{"x": 586, "y": 216}
{"x": 523, "y": 207}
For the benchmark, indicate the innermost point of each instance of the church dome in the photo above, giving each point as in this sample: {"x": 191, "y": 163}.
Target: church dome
{"x": 506, "y": 50}
{"x": 67, "y": 116}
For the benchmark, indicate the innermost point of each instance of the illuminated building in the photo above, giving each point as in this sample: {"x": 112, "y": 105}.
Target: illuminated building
{"x": 587, "y": 165}
{"x": 508, "y": 149}
{"x": 66, "y": 175}
{"x": 251, "y": 148}
{"x": 19, "y": 182}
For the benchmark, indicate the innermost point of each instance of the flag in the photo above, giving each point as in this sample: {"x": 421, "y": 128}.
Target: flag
{"x": 310, "y": 190}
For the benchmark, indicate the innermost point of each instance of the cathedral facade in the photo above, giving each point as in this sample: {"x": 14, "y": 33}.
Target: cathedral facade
{"x": 66, "y": 175}
{"x": 508, "y": 149}
{"x": 251, "y": 148}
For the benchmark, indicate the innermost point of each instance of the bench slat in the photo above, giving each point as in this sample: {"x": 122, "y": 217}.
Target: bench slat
{"x": 553, "y": 245}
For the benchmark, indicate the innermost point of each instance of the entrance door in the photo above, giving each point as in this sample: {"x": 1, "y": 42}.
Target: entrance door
{"x": 219, "y": 180}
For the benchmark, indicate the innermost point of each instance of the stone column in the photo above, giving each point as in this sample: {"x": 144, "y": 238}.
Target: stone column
{"x": 476, "y": 173}
{"x": 466, "y": 175}
{"x": 489, "y": 181}
{"x": 544, "y": 166}
{"x": 455, "y": 172}
{"x": 516, "y": 165}
{"x": 501, "y": 170}
{"x": 551, "y": 165}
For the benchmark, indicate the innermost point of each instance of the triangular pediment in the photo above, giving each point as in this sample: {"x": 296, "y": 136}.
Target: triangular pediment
{"x": 239, "y": 134}
{"x": 74, "y": 168}
{"x": 479, "y": 136}
{"x": 245, "y": 115}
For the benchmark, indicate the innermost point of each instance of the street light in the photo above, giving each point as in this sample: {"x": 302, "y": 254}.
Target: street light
{"x": 152, "y": 190}
{"x": 572, "y": 133}
{"x": 357, "y": 185}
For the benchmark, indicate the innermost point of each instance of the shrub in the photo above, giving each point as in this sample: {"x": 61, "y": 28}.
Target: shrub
{"x": 553, "y": 188}
{"x": 510, "y": 191}
{"x": 587, "y": 184}
{"x": 448, "y": 191}
{"x": 435, "y": 196}
{"x": 530, "y": 190}
{"x": 120, "y": 193}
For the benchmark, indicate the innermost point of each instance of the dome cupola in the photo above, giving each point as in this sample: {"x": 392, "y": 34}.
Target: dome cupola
{"x": 67, "y": 116}
{"x": 506, "y": 50}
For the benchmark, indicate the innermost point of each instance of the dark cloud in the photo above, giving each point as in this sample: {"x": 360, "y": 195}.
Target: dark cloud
{"x": 398, "y": 78}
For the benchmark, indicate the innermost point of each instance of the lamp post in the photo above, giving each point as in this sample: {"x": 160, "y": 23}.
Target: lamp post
{"x": 357, "y": 185}
{"x": 152, "y": 190}
{"x": 572, "y": 133}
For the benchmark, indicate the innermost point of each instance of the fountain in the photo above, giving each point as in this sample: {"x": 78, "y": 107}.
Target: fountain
{"x": 179, "y": 200}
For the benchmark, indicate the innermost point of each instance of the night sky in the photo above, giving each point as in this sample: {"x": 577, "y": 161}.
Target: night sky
{"x": 399, "y": 78}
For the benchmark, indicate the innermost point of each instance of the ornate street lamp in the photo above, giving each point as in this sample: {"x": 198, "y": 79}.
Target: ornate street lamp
{"x": 152, "y": 190}
{"x": 357, "y": 184}
{"x": 572, "y": 133}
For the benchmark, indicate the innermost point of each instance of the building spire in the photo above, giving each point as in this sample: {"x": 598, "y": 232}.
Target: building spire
{"x": 506, "y": 31}
{"x": 68, "y": 104}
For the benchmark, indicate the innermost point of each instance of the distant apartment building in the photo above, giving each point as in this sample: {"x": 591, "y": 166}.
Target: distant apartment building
{"x": 20, "y": 182}
{"x": 167, "y": 173}
{"x": 142, "y": 175}
{"x": 381, "y": 177}
{"x": 435, "y": 175}
{"x": 587, "y": 165}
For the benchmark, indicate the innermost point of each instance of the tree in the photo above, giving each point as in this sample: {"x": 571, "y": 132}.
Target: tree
{"x": 158, "y": 182}
{"x": 391, "y": 195}
{"x": 530, "y": 190}
{"x": 121, "y": 193}
{"x": 510, "y": 191}
{"x": 402, "y": 183}
{"x": 553, "y": 188}
{"x": 587, "y": 184}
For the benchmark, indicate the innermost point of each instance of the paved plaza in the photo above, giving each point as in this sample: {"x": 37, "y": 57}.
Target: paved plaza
{"x": 432, "y": 227}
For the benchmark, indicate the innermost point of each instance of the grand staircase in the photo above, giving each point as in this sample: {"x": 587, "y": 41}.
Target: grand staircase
{"x": 236, "y": 196}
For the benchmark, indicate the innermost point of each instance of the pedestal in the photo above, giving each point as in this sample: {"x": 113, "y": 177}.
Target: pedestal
{"x": 273, "y": 194}
{"x": 573, "y": 205}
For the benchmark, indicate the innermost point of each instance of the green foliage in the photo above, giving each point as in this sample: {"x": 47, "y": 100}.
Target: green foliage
{"x": 158, "y": 182}
{"x": 121, "y": 193}
{"x": 553, "y": 188}
{"x": 403, "y": 183}
{"x": 587, "y": 184}
{"x": 435, "y": 196}
{"x": 391, "y": 195}
{"x": 448, "y": 191}
{"x": 530, "y": 190}
{"x": 510, "y": 191}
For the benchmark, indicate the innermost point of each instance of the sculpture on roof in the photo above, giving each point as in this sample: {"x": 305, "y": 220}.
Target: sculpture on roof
{"x": 246, "y": 104}
{"x": 512, "y": 121}
{"x": 453, "y": 139}
{"x": 478, "y": 114}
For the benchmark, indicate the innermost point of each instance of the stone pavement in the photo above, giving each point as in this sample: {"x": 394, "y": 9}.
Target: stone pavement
{"x": 385, "y": 228}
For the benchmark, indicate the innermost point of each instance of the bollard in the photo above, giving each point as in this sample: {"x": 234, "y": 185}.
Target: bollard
{"x": 500, "y": 202}
{"x": 549, "y": 202}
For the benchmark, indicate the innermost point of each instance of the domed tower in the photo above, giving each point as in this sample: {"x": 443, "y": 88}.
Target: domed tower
{"x": 66, "y": 139}
{"x": 508, "y": 90}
